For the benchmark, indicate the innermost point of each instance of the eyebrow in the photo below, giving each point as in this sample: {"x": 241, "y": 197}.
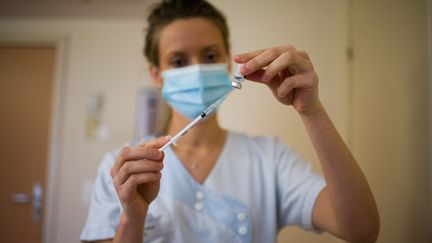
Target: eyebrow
{"x": 214, "y": 46}
{"x": 175, "y": 53}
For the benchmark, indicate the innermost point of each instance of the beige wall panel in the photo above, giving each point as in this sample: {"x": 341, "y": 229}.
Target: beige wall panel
{"x": 390, "y": 113}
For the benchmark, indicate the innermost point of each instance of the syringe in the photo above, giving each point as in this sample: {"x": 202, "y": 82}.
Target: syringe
{"x": 236, "y": 83}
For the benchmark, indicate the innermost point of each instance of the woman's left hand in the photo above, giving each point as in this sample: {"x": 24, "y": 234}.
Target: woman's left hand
{"x": 287, "y": 72}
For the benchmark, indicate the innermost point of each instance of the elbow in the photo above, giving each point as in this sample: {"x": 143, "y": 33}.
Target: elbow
{"x": 369, "y": 237}
{"x": 368, "y": 234}
{"x": 372, "y": 236}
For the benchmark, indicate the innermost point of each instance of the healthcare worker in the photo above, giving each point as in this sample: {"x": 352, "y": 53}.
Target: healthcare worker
{"x": 219, "y": 185}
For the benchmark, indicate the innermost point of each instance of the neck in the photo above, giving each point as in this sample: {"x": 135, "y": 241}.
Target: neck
{"x": 204, "y": 134}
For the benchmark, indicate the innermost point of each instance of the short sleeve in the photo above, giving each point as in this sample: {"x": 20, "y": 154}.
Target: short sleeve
{"x": 297, "y": 188}
{"x": 105, "y": 209}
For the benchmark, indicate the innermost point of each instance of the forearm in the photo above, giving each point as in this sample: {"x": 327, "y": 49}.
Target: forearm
{"x": 130, "y": 230}
{"x": 352, "y": 203}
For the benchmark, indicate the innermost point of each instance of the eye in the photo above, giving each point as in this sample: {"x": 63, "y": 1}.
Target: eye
{"x": 178, "y": 62}
{"x": 211, "y": 57}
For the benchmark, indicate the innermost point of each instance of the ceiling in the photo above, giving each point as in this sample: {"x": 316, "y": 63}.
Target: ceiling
{"x": 73, "y": 8}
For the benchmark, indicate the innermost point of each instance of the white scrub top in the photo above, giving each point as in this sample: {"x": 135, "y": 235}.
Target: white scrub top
{"x": 257, "y": 186}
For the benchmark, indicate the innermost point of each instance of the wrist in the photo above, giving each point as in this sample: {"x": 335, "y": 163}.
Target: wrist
{"x": 130, "y": 229}
{"x": 132, "y": 222}
{"x": 315, "y": 110}
{"x": 134, "y": 218}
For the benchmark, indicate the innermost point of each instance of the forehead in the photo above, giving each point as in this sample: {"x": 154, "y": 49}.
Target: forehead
{"x": 189, "y": 35}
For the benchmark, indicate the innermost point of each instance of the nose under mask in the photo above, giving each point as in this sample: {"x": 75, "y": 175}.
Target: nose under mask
{"x": 192, "y": 89}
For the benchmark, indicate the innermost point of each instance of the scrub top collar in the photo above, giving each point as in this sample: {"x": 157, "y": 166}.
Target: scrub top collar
{"x": 173, "y": 158}
{"x": 179, "y": 184}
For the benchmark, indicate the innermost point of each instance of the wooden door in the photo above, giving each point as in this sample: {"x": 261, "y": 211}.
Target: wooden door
{"x": 26, "y": 84}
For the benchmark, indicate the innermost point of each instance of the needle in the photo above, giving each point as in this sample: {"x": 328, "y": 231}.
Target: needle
{"x": 238, "y": 79}
{"x": 205, "y": 113}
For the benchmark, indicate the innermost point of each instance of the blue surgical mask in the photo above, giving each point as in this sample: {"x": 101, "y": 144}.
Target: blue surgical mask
{"x": 190, "y": 90}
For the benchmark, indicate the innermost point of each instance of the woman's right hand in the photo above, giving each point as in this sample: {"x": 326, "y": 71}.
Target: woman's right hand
{"x": 136, "y": 176}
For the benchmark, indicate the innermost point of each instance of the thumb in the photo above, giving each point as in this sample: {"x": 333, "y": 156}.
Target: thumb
{"x": 157, "y": 142}
{"x": 256, "y": 76}
{"x": 273, "y": 84}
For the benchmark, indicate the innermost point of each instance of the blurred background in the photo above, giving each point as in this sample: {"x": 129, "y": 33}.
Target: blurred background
{"x": 74, "y": 83}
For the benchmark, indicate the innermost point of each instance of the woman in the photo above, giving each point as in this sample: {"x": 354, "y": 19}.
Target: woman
{"x": 218, "y": 185}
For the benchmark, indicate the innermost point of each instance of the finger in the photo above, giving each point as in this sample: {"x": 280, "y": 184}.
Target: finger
{"x": 291, "y": 83}
{"x": 287, "y": 60}
{"x": 263, "y": 59}
{"x": 244, "y": 57}
{"x": 156, "y": 143}
{"x": 136, "y": 179}
{"x": 143, "y": 151}
{"x": 135, "y": 153}
{"x": 130, "y": 186}
{"x": 260, "y": 61}
{"x": 136, "y": 167}
{"x": 256, "y": 76}
{"x": 304, "y": 54}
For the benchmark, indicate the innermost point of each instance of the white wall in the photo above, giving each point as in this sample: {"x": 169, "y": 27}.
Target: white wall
{"x": 104, "y": 55}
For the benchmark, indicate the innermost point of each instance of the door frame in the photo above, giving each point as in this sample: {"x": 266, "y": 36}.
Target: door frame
{"x": 429, "y": 30}
{"x": 55, "y": 137}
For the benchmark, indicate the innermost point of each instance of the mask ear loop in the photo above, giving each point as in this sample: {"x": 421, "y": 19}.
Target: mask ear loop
{"x": 238, "y": 78}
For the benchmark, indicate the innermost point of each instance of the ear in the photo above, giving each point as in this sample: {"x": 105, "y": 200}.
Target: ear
{"x": 155, "y": 75}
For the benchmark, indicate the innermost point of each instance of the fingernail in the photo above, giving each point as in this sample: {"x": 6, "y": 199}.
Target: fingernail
{"x": 158, "y": 154}
{"x": 265, "y": 78}
{"x": 244, "y": 70}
